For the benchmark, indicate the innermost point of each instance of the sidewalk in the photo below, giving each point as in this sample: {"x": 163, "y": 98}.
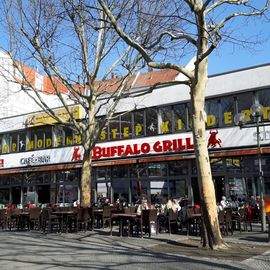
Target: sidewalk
{"x": 98, "y": 250}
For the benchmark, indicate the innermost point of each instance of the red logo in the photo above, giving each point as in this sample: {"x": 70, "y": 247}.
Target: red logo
{"x": 1, "y": 163}
{"x": 213, "y": 141}
{"x": 76, "y": 156}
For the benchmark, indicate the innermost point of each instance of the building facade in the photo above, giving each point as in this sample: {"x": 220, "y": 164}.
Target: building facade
{"x": 148, "y": 150}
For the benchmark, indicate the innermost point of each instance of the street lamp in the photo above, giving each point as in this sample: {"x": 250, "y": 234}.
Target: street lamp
{"x": 240, "y": 120}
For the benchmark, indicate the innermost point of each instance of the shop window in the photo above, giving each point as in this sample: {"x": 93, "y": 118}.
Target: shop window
{"x": 159, "y": 191}
{"x": 138, "y": 123}
{"x": 22, "y": 141}
{"x": 180, "y": 117}
{"x": 212, "y": 111}
{"x": 59, "y": 136}
{"x": 177, "y": 188}
{"x": 114, "y": 128}
{"x": 5, "y": 143}
{"x": 244, "y": 102}
{"x": 189, "y": 116}
{"x": 103, "y": 136}
{"x": 227, "y": 105}
{"x": 4, "y": 196}
{"x": 121, "y": 190}
{"x": 233, "y": 164}
{"x": 1, "y": 144}
{"x": 237, "y": 187}
{"x": 216, "y": 164}
{"x": 48, "y": 137}
{"x": 151, "y": 122}
{"x": 68, "y": 136}
{"x": 120, "y": 171}
{"x": 14, "y": 146}
{"x": 178, "y": 168}
{"x": 157, "y": 169}
{"x": 103, "y": 173}
{"x": 40, "y": 136}
{"x": 165, "y": 123}
{"x": 263, "y": 97}
{"x": 126, "y": 126}
{"x": 139, "y": 171}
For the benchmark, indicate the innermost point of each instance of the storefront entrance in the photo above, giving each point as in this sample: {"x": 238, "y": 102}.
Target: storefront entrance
{"x": 43, "y": 192}
{"x": 16, "y": 195}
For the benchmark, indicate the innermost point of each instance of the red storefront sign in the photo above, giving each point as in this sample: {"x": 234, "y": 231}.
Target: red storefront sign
{"x": 175, "y": 145}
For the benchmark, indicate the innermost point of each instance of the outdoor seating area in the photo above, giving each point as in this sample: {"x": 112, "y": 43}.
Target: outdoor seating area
{"x": 124, "y": 221}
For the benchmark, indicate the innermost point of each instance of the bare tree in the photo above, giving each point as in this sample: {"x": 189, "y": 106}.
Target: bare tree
{"x": 75, "y": 47}
{"x": 164, "y": 32}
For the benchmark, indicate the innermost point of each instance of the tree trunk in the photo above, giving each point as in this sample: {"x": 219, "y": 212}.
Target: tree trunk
{"x": 86, "y": 179}
{"x": 207, "y": 191}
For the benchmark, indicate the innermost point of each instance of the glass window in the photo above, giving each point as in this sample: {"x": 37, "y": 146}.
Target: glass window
{"x": 216, "y": 164}
{"x": 264, "y": 99}
{"x": 157, "y": 169}
{"x": 31, "y": 140}
{"x": 189, "y": 115}
{"x": 68, "y": 136}
{"x": 48, "y": 137}
{"x": 177, "y": 188}
{"x": 5, "y": 143}
{"x": 178, "y": 167}
{"x": 39, "y": 139}
{"x": 227, "y": 111}
{"x": 59, "y": 136}
{"x": 244, "y": 102}
{"x": 1, "y": 144}
{"x": 120, "y": 171}
{"x": 139, "y": 171}
{"x": 212, "y": 111}
{"x": 159, "y": 191}
{"x": 138, "y": 123}
{"x": 233, "y": 164}
{"x": 114, "y": 127}
{"x": 22, "y": 141}
{"x": 13, "y": 142}
{"x": 151, "y": 122}
{"x": 180, "y": 117}
{"x": 126, "y": 126}
{"x": 165, "y": 125}
{"x": 103, "y": 173}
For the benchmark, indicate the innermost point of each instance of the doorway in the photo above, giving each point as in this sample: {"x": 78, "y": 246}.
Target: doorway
{"x": 43, "y": 193}
{"x": 219, "y": 187}
{"x": 16, "y": 195}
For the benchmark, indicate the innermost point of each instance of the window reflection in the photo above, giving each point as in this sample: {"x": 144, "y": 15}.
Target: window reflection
{"x": 180, "y": 117}
{"x": 165, "y": 125}
{"x": 227, "y": 110}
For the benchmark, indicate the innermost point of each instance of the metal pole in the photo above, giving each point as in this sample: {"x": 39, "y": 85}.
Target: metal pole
{"x": 261, "y": 179}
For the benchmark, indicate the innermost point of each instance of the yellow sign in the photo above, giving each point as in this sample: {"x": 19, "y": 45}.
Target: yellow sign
{"x": 42, "y": 118}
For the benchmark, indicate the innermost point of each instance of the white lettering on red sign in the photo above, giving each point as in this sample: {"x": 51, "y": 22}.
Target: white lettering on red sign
{"x": 142, "y": 149}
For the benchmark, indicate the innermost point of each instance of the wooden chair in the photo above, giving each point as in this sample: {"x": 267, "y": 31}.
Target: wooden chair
{"x": 50, "y": 221}
{"x": 172, "y": 220}
{"x": 221, "y": 221}
{"x": 104, "y": 216}
{"x": 34, "y": 218}
{"x": 228, "y": 221}
{"x": 13, "y": 218}
{"x": 148, "y": 222}
{"x": 83, "y": 219}
{"x": 3, "y": 218}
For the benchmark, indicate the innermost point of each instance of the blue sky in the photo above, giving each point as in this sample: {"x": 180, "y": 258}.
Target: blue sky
{"x": 230, "y": 57}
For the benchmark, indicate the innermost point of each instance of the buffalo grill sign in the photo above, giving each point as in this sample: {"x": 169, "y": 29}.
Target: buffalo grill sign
{"x": 145, "y": 148}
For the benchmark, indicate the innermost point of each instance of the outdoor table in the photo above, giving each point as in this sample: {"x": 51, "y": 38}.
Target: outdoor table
{"x": 66, "y": 217}
{"x": 122, "y": 217}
